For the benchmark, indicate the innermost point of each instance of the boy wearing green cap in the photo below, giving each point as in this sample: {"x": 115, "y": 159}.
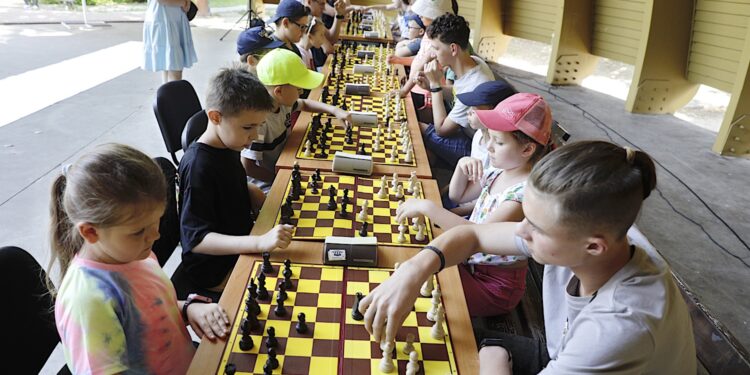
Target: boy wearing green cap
{"x": 284, "y": 75}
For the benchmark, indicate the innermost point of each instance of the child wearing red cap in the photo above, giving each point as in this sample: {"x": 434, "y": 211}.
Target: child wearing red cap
{"x": 519, "y": 135}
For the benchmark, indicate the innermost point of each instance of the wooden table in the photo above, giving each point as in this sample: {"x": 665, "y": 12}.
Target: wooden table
{"x": 209, "y": 354}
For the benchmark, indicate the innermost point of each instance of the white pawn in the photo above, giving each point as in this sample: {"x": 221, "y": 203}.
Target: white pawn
{"x": 394, "y": 181}
{"x": 417, "y": 190}
{"x": 409, "y": 347}
{"x": 420, "y": 233}
{"x": 413, "y": 364}
{"x": 379, "y": 131}
{"x": 427, "y": 288}
{"x": 412, "y": 181}
{"x": 402, "y": 225}
{"x": 400, "y": 192}
{"x": 415, "y": 223}
{"x": 363, "y": 213}
{"x": 393, "y": 154}
{"x": 386, "y": 364}
{"x": 432, "y": 313}
{"x": 438, "y": 333}
{"x": 375, "y": 145}
{"x": 401, "y": 236}
{"x": 409, "y": 156}
{"x": 308, "y": 152}
{"x": 383, "y": 192}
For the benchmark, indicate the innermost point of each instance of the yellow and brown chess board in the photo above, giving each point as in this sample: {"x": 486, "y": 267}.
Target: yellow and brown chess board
{"x": 361, "y": 136}
{"x": 314, "y": 221}
{"x": 334, "y": 343}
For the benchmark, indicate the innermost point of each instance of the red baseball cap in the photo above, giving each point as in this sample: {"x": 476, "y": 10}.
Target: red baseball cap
{"x": 526, "y": 112}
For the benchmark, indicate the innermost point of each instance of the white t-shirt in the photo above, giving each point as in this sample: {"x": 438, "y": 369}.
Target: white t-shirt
{"x": 477, "y": 75}
{"x": 272, "y": 137}
{"x": 479, "y": 151}
{"x": 637, "y": 323}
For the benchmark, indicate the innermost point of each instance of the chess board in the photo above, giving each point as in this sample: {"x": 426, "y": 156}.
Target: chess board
{"x": 334, "y": 343}
{"x": 361, "y": 135}
{"x": 313, "y": 220}
{"x": 371, "y": 104}
{"x": 385, "y": 83}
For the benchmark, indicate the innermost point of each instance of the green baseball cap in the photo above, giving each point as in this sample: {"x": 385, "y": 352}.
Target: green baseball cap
{"x": 284, "y": 67}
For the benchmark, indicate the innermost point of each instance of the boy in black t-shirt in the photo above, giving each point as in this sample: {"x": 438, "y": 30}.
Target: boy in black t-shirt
{"x": 217, "y": 204}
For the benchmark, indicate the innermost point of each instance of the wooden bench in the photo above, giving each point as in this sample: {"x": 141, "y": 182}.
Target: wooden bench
{"x": 717, "y": 350}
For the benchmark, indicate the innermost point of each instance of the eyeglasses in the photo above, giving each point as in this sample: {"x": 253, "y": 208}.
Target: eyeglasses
{"x": 301, "y": 27}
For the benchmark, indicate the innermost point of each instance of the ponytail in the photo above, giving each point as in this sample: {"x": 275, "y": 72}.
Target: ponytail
{"x": 643, "y": 163}
{"x": 64, "y": 240}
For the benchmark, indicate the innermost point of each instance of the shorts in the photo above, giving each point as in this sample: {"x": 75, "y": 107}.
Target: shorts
{"x": 529, "y": 355}
{"x": 492, "y": 290}
{"x": 448, "y": 149}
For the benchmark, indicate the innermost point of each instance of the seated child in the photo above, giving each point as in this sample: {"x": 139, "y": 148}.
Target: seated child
{"x": 253, "y": 44}
{"x": 283, "y": 74}
{"x": 116, "y": 310}
{"x": 519, "y": 131}
{"x": 313, "y": 38}
{"x": 291, "y": 19}
{"x": 217, "y": 204}
{"x": 409, "y": 46}
{"x": 485, "y": 96}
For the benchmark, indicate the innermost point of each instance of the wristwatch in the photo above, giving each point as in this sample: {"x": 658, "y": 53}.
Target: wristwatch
{"x": 436, "y": 89}
{"x": 191, "y": 299}
{"x": 339, "y": 16}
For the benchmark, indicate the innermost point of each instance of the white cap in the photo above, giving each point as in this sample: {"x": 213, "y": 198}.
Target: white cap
{"x": 432, "y": 9}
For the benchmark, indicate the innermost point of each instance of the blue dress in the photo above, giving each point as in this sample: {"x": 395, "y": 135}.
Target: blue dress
{"x": 167, "y": 40}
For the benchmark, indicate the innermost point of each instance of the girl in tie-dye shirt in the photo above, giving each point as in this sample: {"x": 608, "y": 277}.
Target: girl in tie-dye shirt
{"x": 518, "y": 136}
{"x": 116, "y": 310}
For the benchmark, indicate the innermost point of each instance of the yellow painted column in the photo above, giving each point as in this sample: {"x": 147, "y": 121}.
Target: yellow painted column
{"x": 489, "y": 40}
{"x": 734, "y": 135}
{"x": 571, "y": 60}
{"x": 659, "y": 81}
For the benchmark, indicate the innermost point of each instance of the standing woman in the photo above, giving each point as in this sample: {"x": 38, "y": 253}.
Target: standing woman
{"x": 167, "y": 40}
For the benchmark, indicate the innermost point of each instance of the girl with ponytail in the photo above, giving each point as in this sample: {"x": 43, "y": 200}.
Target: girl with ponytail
{"x": 116, "y": 310}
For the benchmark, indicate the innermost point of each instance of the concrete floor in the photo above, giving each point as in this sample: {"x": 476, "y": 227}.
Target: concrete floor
{"x": 683, "y": 228}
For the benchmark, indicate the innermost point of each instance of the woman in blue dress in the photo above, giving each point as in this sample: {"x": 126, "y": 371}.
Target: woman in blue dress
{"x": 167, "y": 41}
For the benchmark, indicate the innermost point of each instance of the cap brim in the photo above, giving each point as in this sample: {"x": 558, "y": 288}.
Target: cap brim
{"x": 309, "y": 80}
{"x": 494, "y": 122}
{"x": 469, "y": 99}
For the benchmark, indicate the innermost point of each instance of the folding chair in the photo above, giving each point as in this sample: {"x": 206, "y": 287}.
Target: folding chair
{"x": 175, "y": 103}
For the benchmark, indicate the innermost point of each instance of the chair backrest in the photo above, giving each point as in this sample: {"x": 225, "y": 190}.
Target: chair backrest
{"x": 196, "y": 125}
{"x": 169, "y": 224}
{"x": 175, "y": 102}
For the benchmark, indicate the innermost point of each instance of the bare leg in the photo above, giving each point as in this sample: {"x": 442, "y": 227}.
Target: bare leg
{"x": 175, "y": 75}
{"x": 495, "y": 360}
{"x": 164, "y": 77}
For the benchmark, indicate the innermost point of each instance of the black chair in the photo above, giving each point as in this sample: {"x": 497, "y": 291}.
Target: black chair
{"x": 196, "y": 125}
{"x": 169, "y": 225}
{"x": 175, "y": 103}
{"x": 28, "y": 314}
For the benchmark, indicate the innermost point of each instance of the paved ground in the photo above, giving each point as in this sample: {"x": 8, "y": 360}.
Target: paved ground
{"x": 701, "y": 248}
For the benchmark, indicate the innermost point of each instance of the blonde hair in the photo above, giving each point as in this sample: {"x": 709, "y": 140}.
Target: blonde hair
{"x": 100, "y": 188}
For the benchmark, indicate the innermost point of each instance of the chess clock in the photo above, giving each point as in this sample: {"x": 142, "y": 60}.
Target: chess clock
{"x": 351, "y": 251}
{"x": 344, "y": 162}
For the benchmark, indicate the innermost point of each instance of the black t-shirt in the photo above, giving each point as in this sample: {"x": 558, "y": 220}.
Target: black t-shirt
{"x": 213, "y": 198}
{"x": 294, "y": 48}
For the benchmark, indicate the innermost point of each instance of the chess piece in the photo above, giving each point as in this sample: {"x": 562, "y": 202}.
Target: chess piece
{"x": 417, "y": 191}
{"x": 363, "y": 212}
{"x": 246, "y": 343}
{"x": 420, "y": 232}
{"x": 317, "y": 175}
{"x": 332, "y": 198}
{"x": 363, "y": 230}
{"x": 230, "y": 369}
{"x": 415, "y": 223}
{"x": 308, "y": 149}
{"x": 383, "y": 192}
{"x": 437, "y": 332}
{"x": 400, "y": 192}
{"x": 356, "y": 315}
{"x": 287, "y": 268}
{"x": 343, "y": 213}
{"x": 376, "y": 144}
{"x": 345, "y": 198}
{"x": 413, "y": 366}
{"x": 362, "y": 150}
{"x": 432, "y": 313}
{"x": 409, "y": 347}
{"x": 280, "y": 310}
{"x": 271, "y": 341}
{"x": 386, "y": 364}
{"x": 401, "y": 236}
{"x": 282, "y": 291}
{"x": 267, "y": 266}
{"x": 262, "y": 291}
{"x": 393, "y": 157}
{"x": 272, "y": 361}
{"x": 412, "y": 181}
{"x": 301, "y": 326}
{"x": 409, "y": 156}
{"x": 252, "y": 289}
{"x": 426, "y": 290}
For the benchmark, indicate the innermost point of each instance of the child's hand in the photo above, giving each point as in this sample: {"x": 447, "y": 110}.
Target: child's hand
{"x": 208, "y": 319}
{"x": 433, "y": 73}
{"x": 344, "y": 116}
{"x": 278, "y": 237}
{"x": 340, "y": 6}
{"x": 186, "y": 6}
{"x": 471, "y": 168}
{"x": 389, "y": 59}
{"x": 412, "y": 208}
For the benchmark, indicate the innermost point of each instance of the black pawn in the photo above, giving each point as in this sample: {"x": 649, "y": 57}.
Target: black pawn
{"x": 317, "y": 174}
{"x": 271, "y": 341}
{"x": 345, "y": 199}
{"x": 323, "y": 154}
{"x": 282, "y": 291}
{"x": 362, "y": 150}
{"x": 246, "y": 343}
{"x": 252, "y": 289}
{"x": 343, "y": 212}
{"x": 363, "y": 231}
{"x": 287, "y": 267}
{"x": 230, "y": 369}
{"x": 280, "y": 310}
{"x": 356, "y": 315}
{"x": 301, "y": 326}
{"x": 267, "y": 266}
{"x": 315, "y": 188}
{"x": 332, "y": 198}
{"x": 262, "y": 291}
{"x": 274, "y": 363}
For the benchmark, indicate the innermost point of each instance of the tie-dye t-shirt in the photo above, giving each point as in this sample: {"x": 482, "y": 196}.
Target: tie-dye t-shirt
{"x": 121, "y": 318}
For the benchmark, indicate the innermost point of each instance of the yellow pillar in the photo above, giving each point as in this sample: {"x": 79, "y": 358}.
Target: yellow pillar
{"x": 734, "y": 135}
{"x": 659, "y": 81}
{"x": 489, "y": 40}
{"x": 571, "y": 60}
